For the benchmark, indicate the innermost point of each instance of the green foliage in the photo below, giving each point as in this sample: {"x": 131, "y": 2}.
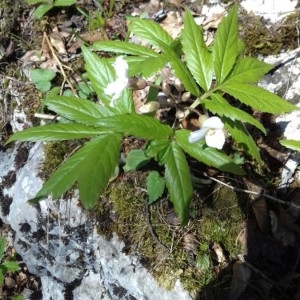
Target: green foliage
{"x": 178, "y": 180}
{"x": 46, "y": 5}
{"x": 135, "y": 159}
{"x": 226, "y": 45}
{"x": 197, "y": 56}
{"x": 98, "y": 156}
{"x": 292, "y": 144}
{"x": 155, "y": 186}
{"x": 210, "y": 156}
{"x": 7, "y": 265}
{"x": 42, "y": 79}
{"x": 104, "y": 124}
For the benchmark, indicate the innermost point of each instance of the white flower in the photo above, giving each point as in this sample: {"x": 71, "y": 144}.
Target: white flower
{"x": 116, "y": 87}
{"x": 212, "y": 130}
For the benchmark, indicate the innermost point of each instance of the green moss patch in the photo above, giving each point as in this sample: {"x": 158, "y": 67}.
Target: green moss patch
{"x": 173, "y": 253}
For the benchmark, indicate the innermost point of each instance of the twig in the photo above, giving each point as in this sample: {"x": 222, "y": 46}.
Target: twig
{"x": 252, "y": 192}
{"x": 154, "y": 235}
{"x": 60, "y": 65}
{"x": 242, "y": 259}
{"x": 46, "y": 117}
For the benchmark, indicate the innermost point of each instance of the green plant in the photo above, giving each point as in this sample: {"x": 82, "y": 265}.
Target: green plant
{"x": 105, "y": 125}
{"x": 46, "y": 5}
{"x": 7, "y": 265}
{"x": 292, "y": 144}
{"x": 41, "y": 78}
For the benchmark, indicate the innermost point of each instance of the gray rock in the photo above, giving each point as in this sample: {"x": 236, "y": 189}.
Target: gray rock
{"x": 59, "y": 243}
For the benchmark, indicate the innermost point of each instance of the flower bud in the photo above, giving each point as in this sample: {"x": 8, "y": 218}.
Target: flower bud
{"x": 170, "y": 101}
{"x": 136, "y": 83}
{"x": 180, "y": 114}
{"x": 166, "y": 88}
{"x": 179, "y": 85}
{"x": 149, "y": 107}
{"x": 186, "y": 96}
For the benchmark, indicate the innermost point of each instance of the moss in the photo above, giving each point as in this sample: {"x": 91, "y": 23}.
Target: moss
{"x": 31, "y": 103}
{"x": 263, "y": 38}
{"x": 288, "y": 31}
{"x": 258, "y": 39}
{"x": 55, "y": 154}
{"x": 122, "y": 210}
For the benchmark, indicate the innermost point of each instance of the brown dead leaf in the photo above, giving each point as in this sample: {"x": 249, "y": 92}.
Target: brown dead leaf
{"x": 10, "y": 283}
{"x": 283, "y": 227}
{"x": 89, "y": 37}
{"x": 173, "y": 24}
{"x": 240, "y": 279}
{"x": 219, "y": 253}
{"x": 32, "y": 56}
{"x": 57, "y": 42}
{"x": 213, "y": 21}
{"x": 261, "y": 213}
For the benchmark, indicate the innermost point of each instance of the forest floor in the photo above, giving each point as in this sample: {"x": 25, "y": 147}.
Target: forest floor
{"x": 237, "y": 245}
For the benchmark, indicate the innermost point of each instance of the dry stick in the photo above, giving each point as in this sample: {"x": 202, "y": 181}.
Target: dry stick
{"x": 60, "y": 65}
{"x": 46, "y": 117}
{"x": 154, "y": 235}
{"x": 252, "y": 192}
{"x": 242, "y": 259}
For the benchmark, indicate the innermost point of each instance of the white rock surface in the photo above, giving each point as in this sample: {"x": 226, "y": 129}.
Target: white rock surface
{"x": 274, "y": 10}
{"x": 285, "y": 82}
{"x": 59, "y": 244}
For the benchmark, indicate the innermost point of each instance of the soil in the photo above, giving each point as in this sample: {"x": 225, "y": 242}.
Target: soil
{"x": 267, "y": 232}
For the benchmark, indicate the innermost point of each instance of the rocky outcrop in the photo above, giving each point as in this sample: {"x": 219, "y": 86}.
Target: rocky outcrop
{"x": 59, "y": 243}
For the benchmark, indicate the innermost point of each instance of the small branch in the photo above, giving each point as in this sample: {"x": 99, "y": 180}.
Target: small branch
{"x": 252, "y": 192}
{"x": 154, "y": 235}
{"x": 46, "y": 117}
{"x": 60, "y": 65}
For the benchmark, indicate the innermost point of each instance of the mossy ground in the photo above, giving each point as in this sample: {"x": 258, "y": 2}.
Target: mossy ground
{"x": 216, "y": 221}
{"x": 263, "y": 38}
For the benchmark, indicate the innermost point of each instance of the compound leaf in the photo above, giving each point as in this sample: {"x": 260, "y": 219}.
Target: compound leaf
{"x": 156, "y": 146}
{"x": 150, "y": 31}
{"x": 210, "y": 156}
{"x": 249, "y": 70}
{"x": 124, "y": 48}
{"x": 78, "y": 110}
{"x": 91, "y": 166}
{"x": 218, "y": 105}
{"x": 155, "y": 186}
{"x": 226, "y": 45}
{"x": 140, "y": 126}
{"x": 135, "y": 159}
{"x": 98, "y": 168}
{"x": 242, "y": 136}
{"x": 42, "y": 10}
{"x": 197, "y": 56}
{"x": 150, "y": 65}
{"x": 180, "y": 70}
{"x": 258, "y": 98}
{"x": 292, "y": 144}
{"x": 3, "y": 244}
{"x": 101, "y": 73}
{"x": 64, "y": 2}
{"x": 30, "y": 2}
{"x": 55, "y": 132}
{"x": 11, "y": 266}
{"x": 178, "y": 180}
